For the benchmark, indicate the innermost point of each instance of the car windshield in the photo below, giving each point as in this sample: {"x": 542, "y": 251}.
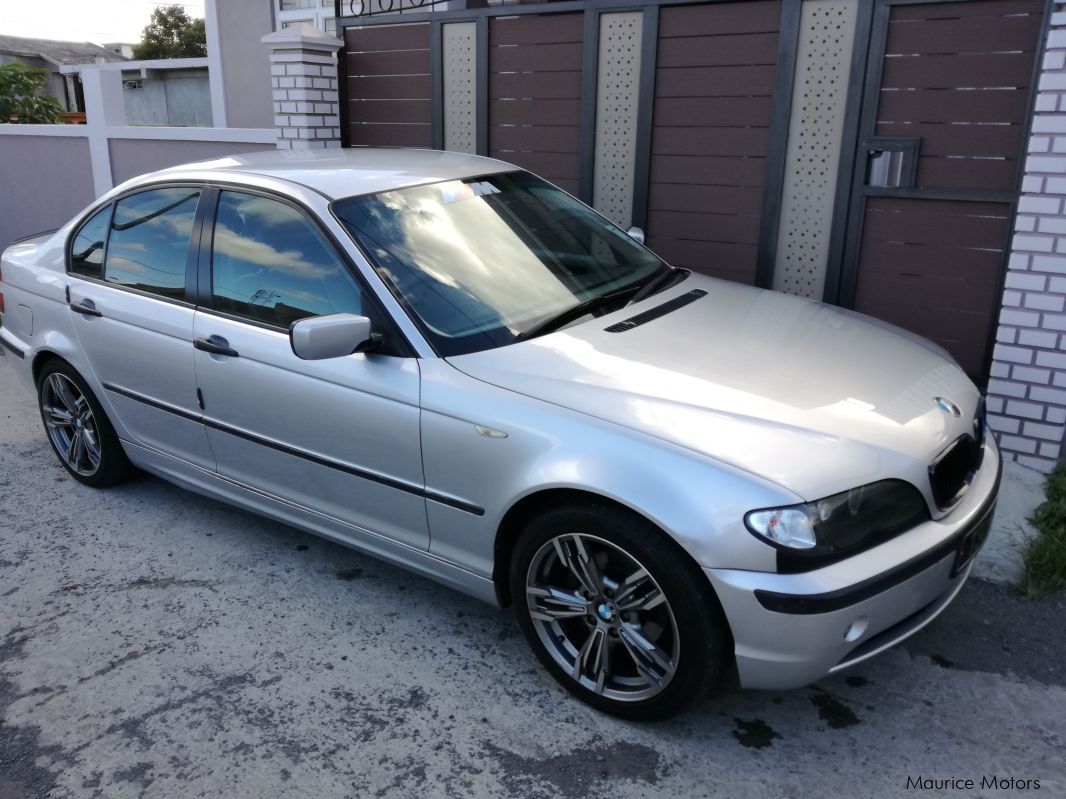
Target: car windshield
{"x": 482, "y": 262}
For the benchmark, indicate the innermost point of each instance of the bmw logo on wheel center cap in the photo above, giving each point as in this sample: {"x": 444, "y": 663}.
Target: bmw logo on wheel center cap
{"x": 605, "y": 612}
{"x": 947, "y": 406}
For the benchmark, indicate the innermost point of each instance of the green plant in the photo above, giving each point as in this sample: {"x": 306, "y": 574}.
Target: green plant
{"x": 23, "y": 98}
{"x": 1045, "y": 555}
{"x": 172, "y": 34}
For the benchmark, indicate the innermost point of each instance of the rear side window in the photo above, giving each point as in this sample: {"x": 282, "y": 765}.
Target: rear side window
{"x": 87, "y": 251}
{"x": 271, "y": 264}
{"x": 149, "y": 244}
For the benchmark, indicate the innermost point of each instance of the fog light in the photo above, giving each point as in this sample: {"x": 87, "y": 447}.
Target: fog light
{"x": 856, "y": 629}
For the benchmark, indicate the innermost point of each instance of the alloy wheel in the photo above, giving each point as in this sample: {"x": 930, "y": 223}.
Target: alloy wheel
{"x": 602, "y": 617}
{"x": 71, "y": 424}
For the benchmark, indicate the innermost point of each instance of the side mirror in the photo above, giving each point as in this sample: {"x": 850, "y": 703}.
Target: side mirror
{"x": 637, "y": 234}
{"x": 333, "y": 336}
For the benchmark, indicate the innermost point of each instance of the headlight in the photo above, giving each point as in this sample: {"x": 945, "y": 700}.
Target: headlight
{"x": 861, "y": 517}
{"x": 790, "y": 527}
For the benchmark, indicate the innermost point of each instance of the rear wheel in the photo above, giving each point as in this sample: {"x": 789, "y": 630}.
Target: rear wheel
{"x": 79, "y": 431}
{"x": 616, "y": 611}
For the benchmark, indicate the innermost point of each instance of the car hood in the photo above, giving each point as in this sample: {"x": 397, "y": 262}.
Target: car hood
{"x": 815, "y": 398}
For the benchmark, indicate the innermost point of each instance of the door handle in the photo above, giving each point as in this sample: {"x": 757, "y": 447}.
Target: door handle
{"x": 85, "y": 308}
{"x": 216, "y": 345}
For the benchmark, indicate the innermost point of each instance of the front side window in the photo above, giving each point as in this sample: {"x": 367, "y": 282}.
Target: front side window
{"x": 149, "y": 244}
{"x": 87, "y": 249}
{"x": 483, "y": 262}
{"x": 272, "y": 265}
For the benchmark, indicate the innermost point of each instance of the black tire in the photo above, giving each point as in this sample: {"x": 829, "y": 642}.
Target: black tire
{"x": 112, "y": 465}
{"x": 698, "y": 639}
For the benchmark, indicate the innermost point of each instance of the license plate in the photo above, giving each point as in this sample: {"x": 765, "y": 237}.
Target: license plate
{"x": 972, "y": 542}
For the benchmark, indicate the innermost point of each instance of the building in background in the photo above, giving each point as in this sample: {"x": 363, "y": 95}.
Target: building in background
{"x": 174, "y": 91}
{"x": 320, "y": 13}
{"x": 51, "y": 56}
{"x": 239, "y": 62}
{"x": 124, "y": 49}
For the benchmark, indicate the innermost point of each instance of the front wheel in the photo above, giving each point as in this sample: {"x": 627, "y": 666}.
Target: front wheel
{"x": 616, "y": 611}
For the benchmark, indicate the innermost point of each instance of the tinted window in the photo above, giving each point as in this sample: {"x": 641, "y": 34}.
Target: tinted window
{"x": 87, "y": 251}
{"x": 149, "y": 243}
{"x": 271, "y": 264}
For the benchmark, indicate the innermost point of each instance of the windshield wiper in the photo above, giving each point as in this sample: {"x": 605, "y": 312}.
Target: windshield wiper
{"x": 574, "y": 312}
{"x": 659, "y": 282}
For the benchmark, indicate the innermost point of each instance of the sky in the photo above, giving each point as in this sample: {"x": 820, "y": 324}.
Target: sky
{"x": 96, "y": 21}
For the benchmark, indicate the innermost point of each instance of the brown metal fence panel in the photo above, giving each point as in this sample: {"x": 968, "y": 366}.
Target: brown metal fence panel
{"x": 714, "y": 83}
{"x": 957, "y": 75}
{"x": 535, "y": 94}
{"x": 934, "y": 267}
{"x": 388, "y": 82}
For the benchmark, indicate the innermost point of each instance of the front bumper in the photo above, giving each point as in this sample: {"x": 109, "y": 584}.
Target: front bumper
{"x": 793, "y": 629}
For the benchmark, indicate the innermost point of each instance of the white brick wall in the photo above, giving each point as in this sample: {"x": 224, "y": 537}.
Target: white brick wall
{"x": 1026, "y": 400}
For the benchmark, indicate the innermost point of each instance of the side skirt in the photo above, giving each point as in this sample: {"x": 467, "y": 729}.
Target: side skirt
{"x": 215, "y": 486}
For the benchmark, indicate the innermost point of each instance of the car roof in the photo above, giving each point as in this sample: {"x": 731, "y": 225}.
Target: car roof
{"x": 339, "y": 173}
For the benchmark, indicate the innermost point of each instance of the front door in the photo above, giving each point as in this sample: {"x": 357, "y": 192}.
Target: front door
{"x": 940, "y": 148}
{"x": 339, "y": 436}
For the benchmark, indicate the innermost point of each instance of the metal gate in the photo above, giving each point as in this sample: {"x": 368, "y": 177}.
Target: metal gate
{"x": 705, "y": 150}
{"x": 940, "y": 147}
{"x": 937, "y": 120}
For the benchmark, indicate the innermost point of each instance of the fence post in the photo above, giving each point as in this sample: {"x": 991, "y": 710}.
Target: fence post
{"x": 104, "y": 108}
{"x": 303, "y": 75}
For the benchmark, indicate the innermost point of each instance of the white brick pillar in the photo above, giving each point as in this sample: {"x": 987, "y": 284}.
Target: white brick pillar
{"x": 303, "y": 74}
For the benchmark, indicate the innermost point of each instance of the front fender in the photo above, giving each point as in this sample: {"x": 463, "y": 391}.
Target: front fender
{"x": 698, "y": 502}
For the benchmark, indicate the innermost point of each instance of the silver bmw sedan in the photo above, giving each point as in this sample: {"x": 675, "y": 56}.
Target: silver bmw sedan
{"x": 448, "y": 363}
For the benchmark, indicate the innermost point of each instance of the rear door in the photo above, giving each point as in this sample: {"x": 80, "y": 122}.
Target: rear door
{"x": 129, "y": 274}
{"x": 338, "y": 436}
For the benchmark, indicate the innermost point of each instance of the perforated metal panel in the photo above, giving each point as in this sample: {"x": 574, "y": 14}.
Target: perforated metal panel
{"x": 460, "y": 108}
{"x": 617, "y": 92}
{"x": 827, "y": 33}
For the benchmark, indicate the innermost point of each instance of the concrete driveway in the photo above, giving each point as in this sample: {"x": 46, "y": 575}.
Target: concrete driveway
{"x": 157, "y": 644}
